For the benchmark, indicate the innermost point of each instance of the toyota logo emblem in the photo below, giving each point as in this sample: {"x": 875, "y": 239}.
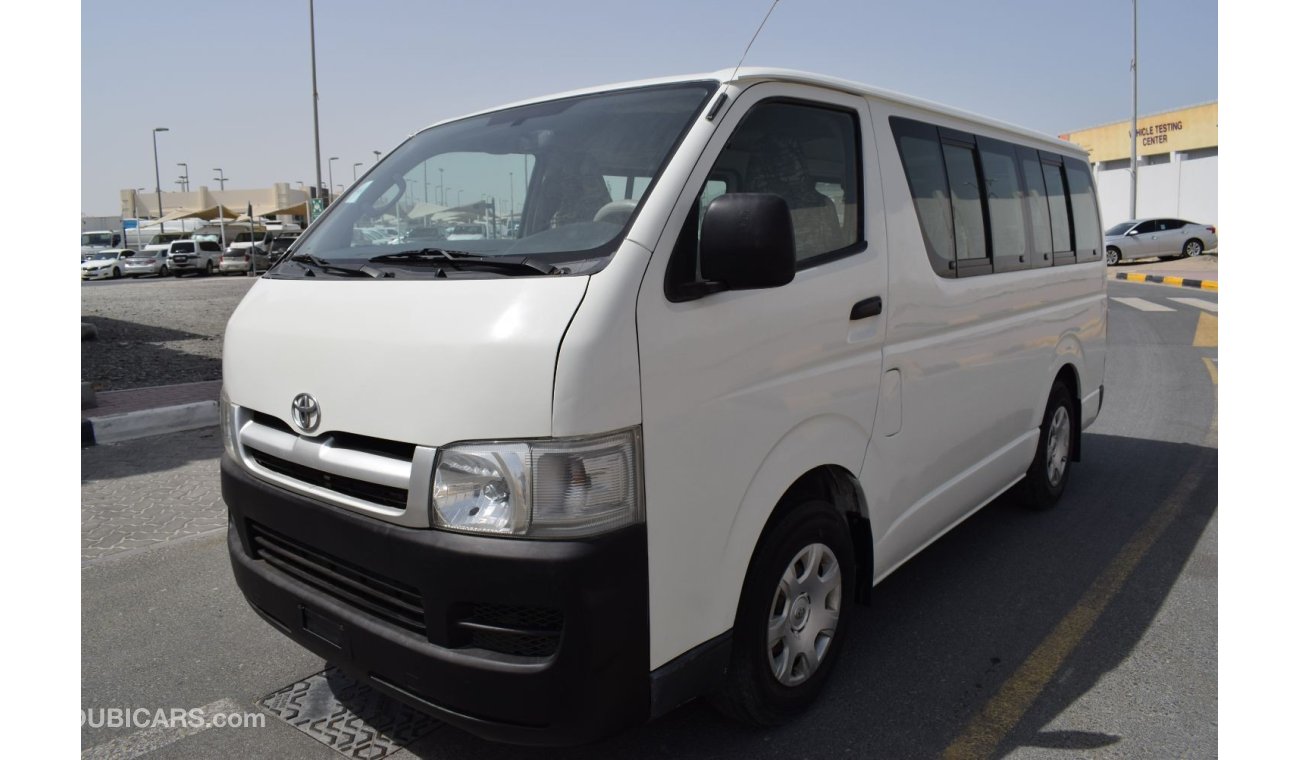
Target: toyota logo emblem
{"x": 306, "y": 412}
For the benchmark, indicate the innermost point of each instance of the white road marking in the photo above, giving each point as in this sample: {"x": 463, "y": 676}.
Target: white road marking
{"x": 1141, "y": 304}
{"x": 1199, "y": 303}
{"x": 150, "y": 739}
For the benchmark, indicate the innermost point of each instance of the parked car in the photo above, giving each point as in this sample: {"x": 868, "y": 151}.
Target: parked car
{"x": 104, "y": 264}
{"x": 146, "y": 262}
{"x": 1162, "y": 238}
{"x": 193, "y": 256}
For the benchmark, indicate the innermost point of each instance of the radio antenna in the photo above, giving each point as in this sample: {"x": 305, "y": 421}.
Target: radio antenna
{"x": 751, "y": 40}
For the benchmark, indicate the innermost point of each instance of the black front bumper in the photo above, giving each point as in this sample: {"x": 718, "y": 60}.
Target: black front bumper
{"x": 595, "y": 682}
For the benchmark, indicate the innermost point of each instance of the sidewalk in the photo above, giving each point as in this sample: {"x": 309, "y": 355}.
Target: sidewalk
{"x": 138, "y": 412}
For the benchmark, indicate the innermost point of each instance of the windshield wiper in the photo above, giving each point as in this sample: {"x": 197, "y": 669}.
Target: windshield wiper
{"x": 442, "y": 257}
{"x": 325, "y": 266}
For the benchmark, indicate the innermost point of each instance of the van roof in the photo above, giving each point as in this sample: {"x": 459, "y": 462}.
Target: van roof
{"x": 750, "y": 75}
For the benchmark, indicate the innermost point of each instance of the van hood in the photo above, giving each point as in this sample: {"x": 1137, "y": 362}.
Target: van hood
{"x": 428, "y": 362}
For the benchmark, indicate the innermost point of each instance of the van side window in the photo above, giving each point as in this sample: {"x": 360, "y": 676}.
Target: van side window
{"x": 918, "y": 144}
{"x": 1054, "y": 177}
{"x": 807, "y": 154}
{"x": 1040, "y": 225}
{"x": 1083, "y": 205}
{"x": 1006, "y": 202}
{"x": 967, "y": 205}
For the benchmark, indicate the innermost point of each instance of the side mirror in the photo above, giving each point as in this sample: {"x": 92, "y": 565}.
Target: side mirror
{"x": 1133, "y": 231}
{"x": 747, "y": 241}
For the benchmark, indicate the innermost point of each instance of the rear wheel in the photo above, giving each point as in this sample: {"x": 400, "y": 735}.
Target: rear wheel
{"x": 164, "y": 271}
{"x": 1045, "y": 481}
{"x": 792, "y": 617}
{"x": 208, "y": 268}
{"x": 1192, "y": 247}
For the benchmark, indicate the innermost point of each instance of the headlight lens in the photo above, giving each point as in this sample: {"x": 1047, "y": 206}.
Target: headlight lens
{"x": 552, "y": 488}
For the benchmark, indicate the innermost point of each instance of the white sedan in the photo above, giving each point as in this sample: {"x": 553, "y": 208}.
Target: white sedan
{"x": 106, "y": 264}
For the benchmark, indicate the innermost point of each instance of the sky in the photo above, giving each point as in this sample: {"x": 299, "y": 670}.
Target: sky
{"x": 231, "y": 79}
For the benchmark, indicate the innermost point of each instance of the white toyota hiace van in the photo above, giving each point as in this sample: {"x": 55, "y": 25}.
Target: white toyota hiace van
{"x": 750, "y": 343}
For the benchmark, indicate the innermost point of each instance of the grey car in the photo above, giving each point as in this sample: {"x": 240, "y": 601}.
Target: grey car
{"x": 145, "y": 263}
{"x": 1158, "y": 237}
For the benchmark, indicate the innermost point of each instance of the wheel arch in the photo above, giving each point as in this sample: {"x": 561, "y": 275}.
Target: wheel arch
{"x": 815, "y": 460}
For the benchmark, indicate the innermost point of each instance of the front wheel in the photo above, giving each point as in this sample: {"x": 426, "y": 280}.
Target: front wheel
{"x": 117, "y": 273}
{"x": 1192, "y": 248}
{"x": 1112, "y": 257}
{"x": 164, "y": 271}
{"x": 1050, "y": 471}
{"x": 793, "y": 614}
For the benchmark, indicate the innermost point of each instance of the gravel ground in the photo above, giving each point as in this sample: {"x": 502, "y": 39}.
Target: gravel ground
{"x": 157, "y": 331}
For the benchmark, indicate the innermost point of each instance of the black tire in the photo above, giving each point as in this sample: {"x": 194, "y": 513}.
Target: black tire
{"x": 164, "y": 271}
{"x": 117, "y": 273}
{"x": 1192, "y": 248}
{"x": 1048, "y": 475}
{"x": 208, "y": 268}
{"x": 1112, "y": 256}
{"x": 752, "y": 692}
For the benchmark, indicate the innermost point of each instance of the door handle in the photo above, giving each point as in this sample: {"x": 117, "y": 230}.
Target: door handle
{"x": 868, "y": 307}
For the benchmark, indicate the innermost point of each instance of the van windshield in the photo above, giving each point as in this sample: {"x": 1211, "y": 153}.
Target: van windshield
{"x": 558, "y": 181}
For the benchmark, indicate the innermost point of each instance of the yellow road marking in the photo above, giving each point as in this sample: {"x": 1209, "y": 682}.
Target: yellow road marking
{"x": 1210, "y": 285}
{"x": 987, "y": 730}
{"x": 1212, "y": 369}
{"x": 1207, "y": 331}
{"x": 1173, "y": 281}
{"x": 1212, "y": 434}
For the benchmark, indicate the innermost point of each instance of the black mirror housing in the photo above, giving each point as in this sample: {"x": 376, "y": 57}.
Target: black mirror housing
{"x": 747, "y": 241}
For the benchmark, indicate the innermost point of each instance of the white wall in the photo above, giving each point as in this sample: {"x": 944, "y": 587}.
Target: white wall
{"x": 1183, "y": 188}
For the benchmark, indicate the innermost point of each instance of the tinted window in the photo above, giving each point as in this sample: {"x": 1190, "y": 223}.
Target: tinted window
{"x": 918, "y": 145}
{"x": 1056, "y": 205}
{"x": 1083, "y": 204}
{"x": 1005, "y": 199}
{"x": 1145, "y": 227}
{"x": 182, "y": 248}
{"x": 804, "y": 153}
{"x": 1174, "y": 224}
{"x": 967, "y": 208}
{"x": 1040, "y": 225}
{"x": 208, "y": 245}
{"x": 1119, "y": 229}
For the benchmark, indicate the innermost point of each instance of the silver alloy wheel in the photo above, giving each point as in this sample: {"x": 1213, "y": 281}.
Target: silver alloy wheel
{"x": 804, "y": 613}
{"x": 1112, "y": 257}
{"x": 1193, "y": 248}
{"x": 1058, "y": 446}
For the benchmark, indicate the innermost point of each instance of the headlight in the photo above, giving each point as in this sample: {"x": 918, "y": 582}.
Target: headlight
{"x": 551, "y": 488}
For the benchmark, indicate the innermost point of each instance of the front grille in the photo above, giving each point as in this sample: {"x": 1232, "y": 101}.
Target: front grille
{"x": 383, "y": 598}
{"x": 514, "y": 630}
{"x": 358, "y": 489}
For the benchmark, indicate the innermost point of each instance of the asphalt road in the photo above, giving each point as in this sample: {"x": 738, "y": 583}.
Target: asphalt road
{"x": 1089, "y": 630}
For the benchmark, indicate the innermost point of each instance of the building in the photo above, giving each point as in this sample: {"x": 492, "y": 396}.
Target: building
{"x": 1178, "y": 164}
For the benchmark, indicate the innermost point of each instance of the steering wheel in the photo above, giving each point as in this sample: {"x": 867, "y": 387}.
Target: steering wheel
{"x": 615, "y": 212}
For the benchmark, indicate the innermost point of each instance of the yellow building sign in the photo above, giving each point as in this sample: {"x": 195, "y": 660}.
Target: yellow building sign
{"x": 1181, "y": 130}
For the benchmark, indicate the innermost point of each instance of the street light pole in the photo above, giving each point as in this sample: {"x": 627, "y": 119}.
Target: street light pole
{"x": 315, "y": 96}
{"x": 442, "y": 190}
{"x": 1133, "y": 127}
{"x": 331, "y": 185}
{"x": 157, "y": 177}
{"x": 185, "y": 176}
{"x": 354, "y": 172}
{"x": 221, "y": 178}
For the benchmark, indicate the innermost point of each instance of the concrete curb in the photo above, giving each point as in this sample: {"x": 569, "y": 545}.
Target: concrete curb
{"x": 126, "y": 426}
{"x": 1184, "y": 282}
